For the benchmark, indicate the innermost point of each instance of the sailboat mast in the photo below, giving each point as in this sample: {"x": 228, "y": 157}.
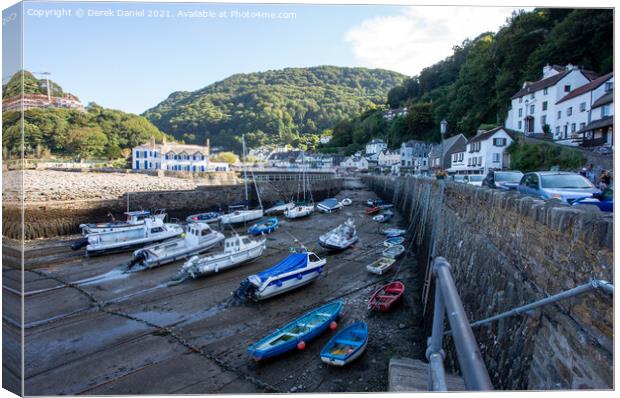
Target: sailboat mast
{"x": 303, "y": 172}
{"x": 245, "y": 171}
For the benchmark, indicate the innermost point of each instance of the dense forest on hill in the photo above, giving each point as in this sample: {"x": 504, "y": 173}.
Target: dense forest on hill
{"x": 96, "y": 133}
{"x": 277, "y": 106}
{"x": 471, "y": 89}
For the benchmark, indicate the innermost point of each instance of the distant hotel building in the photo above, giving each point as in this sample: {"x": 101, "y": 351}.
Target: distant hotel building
{"x": 174, "y": 157}
{"x": 40, "y": 101}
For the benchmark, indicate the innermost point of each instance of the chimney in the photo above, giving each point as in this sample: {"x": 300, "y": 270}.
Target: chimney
{"x": 547, "y": 69}
{"x": 480, "y": 132}
{"x": 571, "y": 67}
{"x": 208, "y": 145}
{"x": 163, "y": 140}
{"x": 152, "y": 142}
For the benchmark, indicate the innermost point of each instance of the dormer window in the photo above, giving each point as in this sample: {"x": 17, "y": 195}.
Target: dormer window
{"x": 533, "y": 95}
{"x": 546, "y": 91}
{"x": 567, "y": 88}
{"x": 520, "y": 99}
{"x": 609, "y": 86}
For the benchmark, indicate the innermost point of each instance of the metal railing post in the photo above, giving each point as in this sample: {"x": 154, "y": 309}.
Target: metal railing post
{"x": 434, "y": 354}
{"x": 468, "y": 353}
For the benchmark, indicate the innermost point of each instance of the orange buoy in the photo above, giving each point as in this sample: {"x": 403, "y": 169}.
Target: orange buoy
{"x": 333, "y": 325}
{"x": 301, "y": 345}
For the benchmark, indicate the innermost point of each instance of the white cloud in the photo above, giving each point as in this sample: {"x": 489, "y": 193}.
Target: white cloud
{"x": 420, "y": 36}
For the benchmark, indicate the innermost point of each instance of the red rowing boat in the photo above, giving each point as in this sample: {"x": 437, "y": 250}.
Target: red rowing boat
{"x": 373, "y": 210}
{"x": 386, "y": 296}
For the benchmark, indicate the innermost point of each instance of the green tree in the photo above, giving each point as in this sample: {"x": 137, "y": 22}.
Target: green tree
{"x": 86, "y": 142}
{"x": 226, "y": 157}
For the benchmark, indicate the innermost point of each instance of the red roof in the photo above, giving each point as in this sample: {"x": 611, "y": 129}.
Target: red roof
{"x": 594, "y": 84}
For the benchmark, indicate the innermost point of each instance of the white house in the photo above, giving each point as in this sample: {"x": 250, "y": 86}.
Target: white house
{"x": 355, "y": 162}
{"x": 444, "y": 151}
{"x": 486, "y": 151}
{"x": 537, "y": 103}
{"x": 171, "y": 156}
{"x": 388, "y": 158}
{"x": 375, "y": 146}
{"x": 573, "y": 110}
{"x": 414, "y": 156}
{"x": 398, "y": 112}
{"x": 599, "y": 130}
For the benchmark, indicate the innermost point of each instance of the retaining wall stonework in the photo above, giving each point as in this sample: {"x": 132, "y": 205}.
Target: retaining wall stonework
{"x": 507, "y": 250}
{"x": 49, "y": 219}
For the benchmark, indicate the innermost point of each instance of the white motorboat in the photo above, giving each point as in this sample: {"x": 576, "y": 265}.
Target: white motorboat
{"x": 341, "y": 237}
{"x": 134, "y": 219}
{"x": 279, "y": 208}
{"x": 198, "y": 238}
{"x": 296, "y": 270}
{"x": 237, "y": 250}
{"x": 153, "y": 230}
{"x": 299, "y": 211}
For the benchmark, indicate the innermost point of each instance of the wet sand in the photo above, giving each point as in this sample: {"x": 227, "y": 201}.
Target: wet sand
{"x": 118, "y": 333}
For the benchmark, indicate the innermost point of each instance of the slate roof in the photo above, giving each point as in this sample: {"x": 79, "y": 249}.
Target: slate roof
{"x": 594, "y": 84}
{"x": 490, "y": 133}
{"x": 605, "y": 99}
{"x": 532, "y": 87}
{"x": 448, "y": 145}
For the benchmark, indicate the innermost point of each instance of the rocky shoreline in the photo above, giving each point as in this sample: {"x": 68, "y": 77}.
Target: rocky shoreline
{"x": 49, "y": 185}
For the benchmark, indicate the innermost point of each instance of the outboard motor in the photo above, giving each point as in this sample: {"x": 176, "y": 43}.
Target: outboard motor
{"x": 137, "y": 259}
{"x": 77, "y": 245}
{"x": 245, "y": 291}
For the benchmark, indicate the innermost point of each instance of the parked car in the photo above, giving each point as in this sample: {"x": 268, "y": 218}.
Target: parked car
{"x": 458, "y": 178}
{"x": 500, "y": 179}
{"x": 604, "y": 200}
{"x": 474, "y": 179}
{"x": 565, "y": 186}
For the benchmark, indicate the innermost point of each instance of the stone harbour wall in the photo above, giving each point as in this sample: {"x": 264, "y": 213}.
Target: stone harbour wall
{"x": 508, "y": 250}
{"x": 54, "y": 218}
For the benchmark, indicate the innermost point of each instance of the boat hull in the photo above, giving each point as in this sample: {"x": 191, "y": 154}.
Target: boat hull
{"x": 334, "y": 247}
{"x": 241, "y": 216}
{"x": 224, "y": 261}
{"x": 353, "y": 337}
{"x": 288, "y": 283}
{"x": 176, "y": 250}
{"x": 121, "y": 246}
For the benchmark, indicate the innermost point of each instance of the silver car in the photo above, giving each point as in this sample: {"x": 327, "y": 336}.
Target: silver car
{"x": 561, "y": 185}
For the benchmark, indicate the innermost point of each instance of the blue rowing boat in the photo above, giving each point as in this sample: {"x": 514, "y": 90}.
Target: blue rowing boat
{"x": 397, "y": 240}
{"x": 297, "y": 333}
{"x": 264, "y": 227}
{"x": 347, "y": 345}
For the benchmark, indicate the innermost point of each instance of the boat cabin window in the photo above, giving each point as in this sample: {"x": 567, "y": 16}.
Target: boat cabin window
{"x": 205, "y": 232}
{"x": 313, "y": 257}
{"x": 157, "y": 230}
{"x": 246, "y": 241}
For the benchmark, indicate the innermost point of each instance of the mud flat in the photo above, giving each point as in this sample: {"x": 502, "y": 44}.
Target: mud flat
{"x": 129, "y": 333}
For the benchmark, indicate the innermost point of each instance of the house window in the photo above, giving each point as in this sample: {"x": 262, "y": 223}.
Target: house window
{"x": 569, "y": 111}
{"x": 609, "y": 86}
{"x": 499, "y": 141}
{"x": 543, "y": 120}
{"x": 605, "y": 110}
{"x": 532, "y": 109}
{"x": 546, "y": 91}
{"x": 573, "y": 127}
{"x": 520, "y": 99}
{"x": 582, "y": 125}
{"x": 567, "y": 88}
{"x": 520, "y": 125}
{"x": 145, "y": 154}
{"x": 559, "y": 114}
{"x": 533, "y": 95}
{"x": 496, "y": 158}
{"x": 138, "y": 164}
{"x": 479, "y": 160}
{"x": 582, "y": 107}
{"x": 544, "y": 106}
{"x": 137, "y": 154}
{"x": 520, "y": 112}
{"x": 557, "y": 130}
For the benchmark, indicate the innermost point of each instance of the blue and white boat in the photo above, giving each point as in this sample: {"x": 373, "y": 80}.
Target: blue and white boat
{"x": 296, "y": 270}
{"x": 279, "y": 207}
{"x": 264, "y": 227}
{"x": 384, "y": 217}
{"x": 296, "y": 333}
{"x": 208, "y": 217}
{"x": 397, "y": 240}
{"x": 340, "y": 238}
{"x": 394, "y": 232}
{"x": 329, "y": 205}
{"x": 347, "y": 345}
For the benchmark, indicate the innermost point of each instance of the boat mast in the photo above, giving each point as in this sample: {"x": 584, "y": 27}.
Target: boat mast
{"x": 303, "y": 172}
{"x": 245, "y": 171}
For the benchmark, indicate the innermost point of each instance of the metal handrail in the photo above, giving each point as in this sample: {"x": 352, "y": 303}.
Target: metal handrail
{"x": 448, "y": 301}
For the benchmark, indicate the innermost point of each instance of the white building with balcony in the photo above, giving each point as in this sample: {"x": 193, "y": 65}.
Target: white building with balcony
{"x": 173, "y": 157}
{"x": 486, "y": 151}
{"x": 375, "y": 146}
{"x": 538, "y": 103}
{"x": 388, "y": 158}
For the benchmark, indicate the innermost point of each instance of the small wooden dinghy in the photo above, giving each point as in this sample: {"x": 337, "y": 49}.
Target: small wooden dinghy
{"x": 397, "y": 240}
{"x": 394, "y": 251}
{"x": 296, "y": 333}
{"x": 264, "y": 227}
{"x": 381, "y": 266}
{"x": 346, "y": 202}
{"x": 373, "y": 210}
{"x": 384, "y": 298}
{"x": 347, "y": 345}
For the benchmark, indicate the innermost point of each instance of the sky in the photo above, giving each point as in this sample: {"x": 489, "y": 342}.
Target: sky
{"x": 131, "y": 56}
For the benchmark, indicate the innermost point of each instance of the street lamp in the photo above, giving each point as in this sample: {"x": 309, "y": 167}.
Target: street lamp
{"x": 443, "y": 127}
